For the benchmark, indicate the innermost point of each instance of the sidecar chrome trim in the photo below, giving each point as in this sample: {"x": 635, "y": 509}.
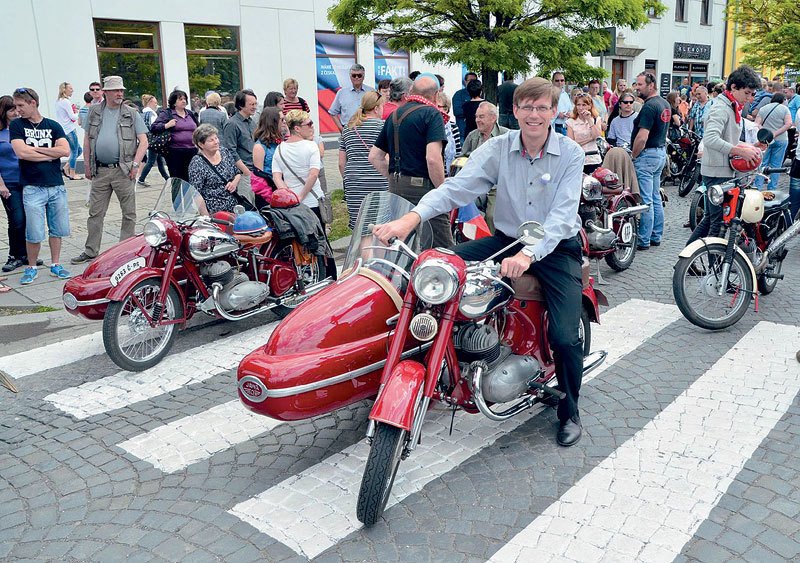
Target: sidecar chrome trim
{"x": 299, "y": 389}
{"x": 90, "y": 302}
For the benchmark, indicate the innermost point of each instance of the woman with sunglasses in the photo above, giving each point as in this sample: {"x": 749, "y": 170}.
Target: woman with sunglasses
{"x": 620, "y": 127}
{"x": 584, "y": 128}
{"x": 67, "y": 117}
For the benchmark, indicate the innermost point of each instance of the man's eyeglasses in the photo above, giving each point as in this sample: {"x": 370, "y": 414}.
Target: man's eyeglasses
{"x": 357, "y": 75}
{"x": 531, "y": 109}
{"x": 94, "y": 89}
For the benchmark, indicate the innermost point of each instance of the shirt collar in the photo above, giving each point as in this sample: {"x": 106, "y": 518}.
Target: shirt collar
{"x": 552, "y": 145}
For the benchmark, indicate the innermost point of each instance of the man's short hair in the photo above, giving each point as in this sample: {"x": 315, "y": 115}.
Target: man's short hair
{"x": 701, "y": 89}
{"x": 593, "y": 81}
{"x": 399, "y": 87}
{"x": 557, "y": 73}
{"x": 649, "y": 77}
{"x": 414, "y": 74}
{"x": 491, "y": 107}
{"x": 535, "y": 88}
{"x": 95, "y": 84}
{"x": 470, "y": 73}
{"x": 426, "y": 87}
{"x": 240, "y": 99}
{"x": 26, "y": 94}
{"x": 357, "y": 67}
{"x": 743, "y": 77}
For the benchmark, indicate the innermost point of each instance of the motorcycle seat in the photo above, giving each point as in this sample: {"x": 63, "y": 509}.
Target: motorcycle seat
{"x": 780, "y": 199}
{"x": 254, "y": 240}
{"x": 528, "y": 288}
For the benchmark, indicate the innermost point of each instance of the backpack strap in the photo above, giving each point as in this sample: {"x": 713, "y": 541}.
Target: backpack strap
{"x": 396, "y": 121}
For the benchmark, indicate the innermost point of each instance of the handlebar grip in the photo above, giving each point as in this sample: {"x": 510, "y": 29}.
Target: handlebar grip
{"x": 221, "y": 222}
{"x": 392, "y": 240}
{"x": 781, "y": 170}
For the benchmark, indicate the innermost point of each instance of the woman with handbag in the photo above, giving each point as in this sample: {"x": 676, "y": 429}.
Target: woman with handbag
{"x": 215, "y": 171}
{"x": 179, "y": 122}
{"x": 360, "y": 177}
{"x": 149, "y": 115}
{"x": 296, "y": 165}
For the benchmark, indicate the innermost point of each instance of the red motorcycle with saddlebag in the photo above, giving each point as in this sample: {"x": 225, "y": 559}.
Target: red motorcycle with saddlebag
{"x": 456, "y": 334}
{"x": 231, "y": 266}
{"x": 608, "y": 212}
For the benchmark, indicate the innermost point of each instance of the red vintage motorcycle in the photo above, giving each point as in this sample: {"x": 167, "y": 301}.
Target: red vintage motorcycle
{"x": 456, "y": 333}
{"x": 230, "y": 266}
{"x": 608, "y": 212}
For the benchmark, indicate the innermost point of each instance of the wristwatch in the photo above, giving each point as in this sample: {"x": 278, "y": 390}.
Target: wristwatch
{"x": 135, "y": 165}
{"x": 527, "y": 251}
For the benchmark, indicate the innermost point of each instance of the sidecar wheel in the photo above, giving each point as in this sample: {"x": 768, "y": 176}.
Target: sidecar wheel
{"x": 627, "y": 229}
{"x": 128, "y": 338}
{"x": 379, "y": 473}
{"x": 310, "y": 274}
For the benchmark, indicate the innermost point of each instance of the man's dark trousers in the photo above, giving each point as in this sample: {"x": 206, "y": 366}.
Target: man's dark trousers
{"x": 711, "y": 223}
{"x": 560, "y": 276}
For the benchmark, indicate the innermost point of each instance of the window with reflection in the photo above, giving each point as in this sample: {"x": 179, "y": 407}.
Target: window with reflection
{"x": 214, "y": 61}
{"x": 131, "y": 50}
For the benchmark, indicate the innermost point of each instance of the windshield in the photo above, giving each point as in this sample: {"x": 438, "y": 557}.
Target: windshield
{"x": 180, "y": 201}
{"x": 381, "y": 207}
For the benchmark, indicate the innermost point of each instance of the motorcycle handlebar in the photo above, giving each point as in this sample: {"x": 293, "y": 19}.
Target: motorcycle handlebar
{"x": 221, "y": 222}
{"x": 781, "y": 170}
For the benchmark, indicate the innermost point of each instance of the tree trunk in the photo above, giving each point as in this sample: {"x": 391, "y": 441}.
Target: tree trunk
{"x": 489, "y": 79}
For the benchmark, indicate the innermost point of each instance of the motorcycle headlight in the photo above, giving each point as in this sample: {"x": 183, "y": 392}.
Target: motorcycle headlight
{"x": 715, "y": 195}
{"x": 435, "y": 281}
{"x": 155, "y": 233}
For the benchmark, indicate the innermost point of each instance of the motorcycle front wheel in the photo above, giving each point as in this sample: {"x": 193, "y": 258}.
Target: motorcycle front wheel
{"x": 695, "y": 283}
{"x": 689, "y": 180}
{"x": 308, "y": 274}
{"x": 379, "y": 473}
{"x": 696, "y": 209}
{"x": 627, "y": 233}
{"x": 129, "y": 340}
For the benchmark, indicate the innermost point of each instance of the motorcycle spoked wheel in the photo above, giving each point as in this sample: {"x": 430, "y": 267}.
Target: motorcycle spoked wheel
{"x": 379, "y": 473}
{"x": 128, "y": 338}
{"x": 767, "y": 285}
{"x": 696, "y": 209}
{"x": 694, "y": 286}
{"x": 627, "y": 234}
{"x": 689, "y": 181}
{"x": 309, "y": 273}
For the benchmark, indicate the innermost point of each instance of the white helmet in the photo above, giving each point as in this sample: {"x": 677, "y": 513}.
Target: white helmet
{"x": 752, "y": 206}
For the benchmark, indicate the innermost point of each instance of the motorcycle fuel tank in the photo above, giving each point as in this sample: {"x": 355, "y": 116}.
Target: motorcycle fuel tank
{"x": 326, "y": 354}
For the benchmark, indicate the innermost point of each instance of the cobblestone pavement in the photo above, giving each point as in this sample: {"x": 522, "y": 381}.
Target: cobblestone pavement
{"x": 690, "y": 452}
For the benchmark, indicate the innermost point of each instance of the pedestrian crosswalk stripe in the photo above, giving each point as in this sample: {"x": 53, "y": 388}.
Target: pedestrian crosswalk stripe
{"x": 648, "y": 498}
{"x": 173, "y": 372}
{"x": 53, "y": 355}
{"x": 180, "y": 443}
{"x": 312, "y": 511}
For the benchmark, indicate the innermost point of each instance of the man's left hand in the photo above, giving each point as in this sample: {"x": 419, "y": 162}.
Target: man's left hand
{"x": 514, "y": 266}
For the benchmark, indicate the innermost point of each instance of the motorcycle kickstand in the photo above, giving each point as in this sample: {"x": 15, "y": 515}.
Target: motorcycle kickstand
{"x": 599, "y": 278}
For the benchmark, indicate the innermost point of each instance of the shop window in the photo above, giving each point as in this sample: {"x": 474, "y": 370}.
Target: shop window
{"x": 680, "y": 10}
{"x": 214, "y": 60}
{"x": 131, "y": 50}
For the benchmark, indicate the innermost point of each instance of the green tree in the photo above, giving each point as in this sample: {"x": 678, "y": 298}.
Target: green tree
{"x": 771, "y": 30}
{"x": 497, "y": 35}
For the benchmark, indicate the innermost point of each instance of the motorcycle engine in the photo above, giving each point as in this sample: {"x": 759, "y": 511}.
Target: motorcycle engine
{"x": 238, "y": 293}
{"x": 597, "y": 241}
{"x": 507, "y": 375}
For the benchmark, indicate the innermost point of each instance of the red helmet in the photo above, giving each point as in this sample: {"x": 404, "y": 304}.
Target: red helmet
{"x": 741, "y": 165}
{"x": 606, "y": 177}
{"x": 283, "y": 198}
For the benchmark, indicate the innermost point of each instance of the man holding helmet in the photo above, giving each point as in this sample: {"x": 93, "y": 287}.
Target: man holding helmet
{"x": 723, "y": 128}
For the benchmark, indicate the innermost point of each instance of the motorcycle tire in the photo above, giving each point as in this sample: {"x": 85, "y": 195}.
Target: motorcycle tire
{"x": 767, "y": 285}
{"x": 696, "y": 209}
{"x": 379, "y": 473}
{"x": 137, "y": 356}
{"x": 625, "y": 227}
{"x": 689, "y": 181}
{"x": 586, "y": 332}
{"x": 310, "y": 274}
{"x": 695, "y": 278}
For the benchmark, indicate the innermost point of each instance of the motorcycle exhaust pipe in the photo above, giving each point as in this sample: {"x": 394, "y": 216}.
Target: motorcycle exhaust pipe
{"x": 594, "y": 227}
{"x": 635, "y": 210}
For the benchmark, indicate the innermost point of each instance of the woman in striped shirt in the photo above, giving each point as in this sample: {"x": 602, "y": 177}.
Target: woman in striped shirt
{"x": 292, "y": 100}
{"x": 360, "y": 177}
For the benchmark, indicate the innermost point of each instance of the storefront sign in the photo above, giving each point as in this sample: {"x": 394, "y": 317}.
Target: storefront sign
{"x": 665, "y": 85}
{"x": 693, "y": 51}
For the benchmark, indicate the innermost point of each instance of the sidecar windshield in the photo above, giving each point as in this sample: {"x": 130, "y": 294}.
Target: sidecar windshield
{"x": 180, "y": 201}
{"x": 381, "y": 207}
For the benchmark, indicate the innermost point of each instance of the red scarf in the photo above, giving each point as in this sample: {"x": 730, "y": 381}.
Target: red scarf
{"x": 737, "y": 107}
{"x": 427, "y": 102}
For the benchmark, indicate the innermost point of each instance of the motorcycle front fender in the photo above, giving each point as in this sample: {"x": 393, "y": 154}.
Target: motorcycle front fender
{"x": 698, "y": 244}
{"x": 129, "y": 282}
{"x": 398, "y": 398}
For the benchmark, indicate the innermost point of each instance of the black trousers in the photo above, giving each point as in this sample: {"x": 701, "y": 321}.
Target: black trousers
{"x": 178, "y": 162}
{"x": 15, "y": 211}
{"x": 711, "y": 223}
{"x": 560, "y": 275}
{"x": 330, "y": 263}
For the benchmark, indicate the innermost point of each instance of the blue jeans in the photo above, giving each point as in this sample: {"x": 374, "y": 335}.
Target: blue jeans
{"x": 773, "y": 158}
{"x": 794, "y": 196}
{"x": 152, "y": 158}
{"x": 75, "y": 149}
{"x": 649, "y": 165}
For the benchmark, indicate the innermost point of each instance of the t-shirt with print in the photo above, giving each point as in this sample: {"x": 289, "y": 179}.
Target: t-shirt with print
{"x": 654, "y": 116}
{"x": 421, "y": 127}
{"x": 107, "y": 146}
{"x": 43, "y": 134}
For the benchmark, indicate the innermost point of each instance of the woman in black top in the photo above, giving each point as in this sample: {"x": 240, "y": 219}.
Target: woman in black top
{"x": 215, "y": 171}
{"x": 470, "y": 108}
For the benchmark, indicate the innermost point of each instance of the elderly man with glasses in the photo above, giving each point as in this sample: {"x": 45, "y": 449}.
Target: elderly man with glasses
{"x": 564, "y": 103}
{"x": 348, "y": 100}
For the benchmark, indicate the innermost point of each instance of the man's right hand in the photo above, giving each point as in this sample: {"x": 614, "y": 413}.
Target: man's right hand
{"x": 400, "y": 228}
{"x": 748, "y": 152}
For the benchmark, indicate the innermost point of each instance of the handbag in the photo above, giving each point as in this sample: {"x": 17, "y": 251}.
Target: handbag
{"x": 325, "y": 207}
{"x": 159, "y": 142}
{"x": 243, "y": 201}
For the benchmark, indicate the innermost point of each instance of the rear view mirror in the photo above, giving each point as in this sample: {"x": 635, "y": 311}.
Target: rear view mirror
{"x": 530, "y": 232}
{"x": 765, "y": 136}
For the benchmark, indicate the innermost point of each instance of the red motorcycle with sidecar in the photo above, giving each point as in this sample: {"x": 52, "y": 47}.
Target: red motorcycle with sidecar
{"x": 456, "y": 334}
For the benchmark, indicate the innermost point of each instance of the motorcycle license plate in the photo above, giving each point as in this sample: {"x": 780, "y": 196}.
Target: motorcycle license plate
{"x": 126, "y": 269}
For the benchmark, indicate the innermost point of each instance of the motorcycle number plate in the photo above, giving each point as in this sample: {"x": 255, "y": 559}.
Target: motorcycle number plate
{"x": 126, "y": 269}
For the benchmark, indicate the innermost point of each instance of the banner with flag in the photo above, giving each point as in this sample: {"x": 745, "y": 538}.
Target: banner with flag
{"x": 473, "y": 225}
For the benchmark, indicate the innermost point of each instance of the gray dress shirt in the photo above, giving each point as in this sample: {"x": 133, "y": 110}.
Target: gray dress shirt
{"x": 238, "y": 137}
{"x": 347, "y": 102}
{"x": 544, "y": 188}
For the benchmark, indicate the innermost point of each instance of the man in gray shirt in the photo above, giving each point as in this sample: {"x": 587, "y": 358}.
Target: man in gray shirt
{"x": 238, "y": 136}
{"x": 113, "y": 148}
{"x": 348, "y": 99}
{"x": 538, "y": 175}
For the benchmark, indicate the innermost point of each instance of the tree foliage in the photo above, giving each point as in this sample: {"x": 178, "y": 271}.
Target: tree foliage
{"x": 771, "y": 29}
{"x": 497, "y": 35}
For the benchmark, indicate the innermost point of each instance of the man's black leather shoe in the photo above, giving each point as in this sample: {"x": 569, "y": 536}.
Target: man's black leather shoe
{"x": 569, "y": 432}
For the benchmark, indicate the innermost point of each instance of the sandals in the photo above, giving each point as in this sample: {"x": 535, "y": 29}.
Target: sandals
{"x": 3, "y": 287}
